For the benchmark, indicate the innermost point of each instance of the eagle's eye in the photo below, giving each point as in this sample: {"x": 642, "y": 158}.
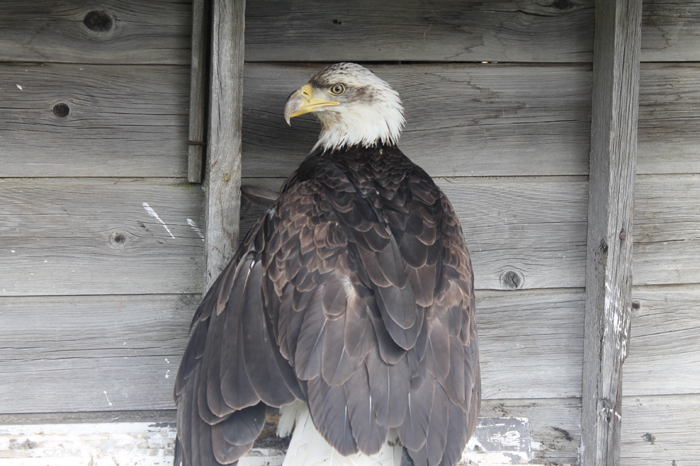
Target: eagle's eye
{"x": 338, "y": 89}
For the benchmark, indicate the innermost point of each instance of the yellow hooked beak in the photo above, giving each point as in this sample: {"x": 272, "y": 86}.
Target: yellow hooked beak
{"x": 304, "y": 101}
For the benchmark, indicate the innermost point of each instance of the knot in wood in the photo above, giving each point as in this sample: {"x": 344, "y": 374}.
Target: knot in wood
{"x": 118, "y": 240}
{"x": 512, "y": 280}
{"x": 98, "y": 21}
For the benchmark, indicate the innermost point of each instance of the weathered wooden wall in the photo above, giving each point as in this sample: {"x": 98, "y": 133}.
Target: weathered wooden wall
{"x": 101, "y": 237}
{"x": 661, "y": 384}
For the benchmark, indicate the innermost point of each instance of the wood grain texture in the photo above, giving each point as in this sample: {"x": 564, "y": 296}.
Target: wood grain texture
{"x": 415, "y": 30}
{"x": 198, "y": 90}
{"x": 522, "y": 232}
{"x": 669, "y": 118}
{"x": 82, "y": 236}
{"x": 531, "y": 344}
{"x": 610, "y": 212}
{"x": 223, "y": 170}
{"x": 106, "y": 353}
{"x": 667, "y": 230}
{"x": 670, "y": 30}
{"x": 665, "y": 341}
{"x": 555, "y": 426}
{"x": 463, "y": 120}
{"x": 119, "y": 344}
{"x": 117, "y": 31}
{"x": 121, "y": 120}
{"x": 660, "y": 430}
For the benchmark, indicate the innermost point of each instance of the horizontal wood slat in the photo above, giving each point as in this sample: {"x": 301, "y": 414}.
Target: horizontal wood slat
{"x": 670, "y": 30}
{"x": 105, "y": 353}
{"x": 81, "y": 120}
{"x": 660, "y": 430}
{"x": 72, "y": 237}
{"x": 413, "y": 30}
{"x": 462, "y": 120}
{"x": 522, "y": 232}
{"x": 665, "y": 342}
{"x": 103, "y": 31}
{"x": 667, "y": 230}
{"x": 539, "y": 352}
{"x": 669, "y": 118}
{"x": 555, "y": 426}
{"x": 130, "y": 347}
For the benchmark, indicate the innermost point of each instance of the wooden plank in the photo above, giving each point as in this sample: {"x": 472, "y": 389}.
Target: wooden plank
{"x": 224, "y": 142}
{"x": 663, "y": 430}
{"x": 667, "y": 230}
{"x": 671, "y": 30}
{"x": 134, "y": 443}
{"x": 522, "y": 232}
{"x": 665, "y": 342}
{"x": 538, "y": 353}
{"x": 480, "y": 119}
{"x": 87, "y": 236}
{"x": 412, "y": 30}
{"x": 539, "y": 430}
{"x": 198, "y": 89}
{"x": 669, "y": 118}
{"x": 610, "y": 212}
{"x": 105, "y": 31}
{"x": 83, "y": 120}
{"x": 124, "y": 350}
{"x": 125, "y": 346}
{"x": 555, "y": 426}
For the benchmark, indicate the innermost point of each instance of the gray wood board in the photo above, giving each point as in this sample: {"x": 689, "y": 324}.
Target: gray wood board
{"x": 522, "y": 232}
{"x": 125, "y": 345}
{"x": 107, "y": 353}
{"x": 531, "y": 343}
{"x": 664, "y": 354}
{"x": 667, "y": 230}
{"x": 104, "y": 31}
{"x": 413, "y": 30}
{"x": 121, "y": 121}
{"x": 555, "y": 426}
{"x": 670, "y": 30}
{"x": 223, "y": 171}
{"x": 199, "y": 81}
{"x": 661, "y": 430}
{"x": 613, "y": 162}
{"x": 669, "y": 118}
{"x": 86, "y": 236}
{"x": 462, "y": 120}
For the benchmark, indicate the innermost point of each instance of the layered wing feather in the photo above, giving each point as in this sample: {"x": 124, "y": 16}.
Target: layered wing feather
{"x": 355, "y": 293}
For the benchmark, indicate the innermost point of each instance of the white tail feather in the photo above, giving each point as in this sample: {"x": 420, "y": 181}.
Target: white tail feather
{"x": 309, "y": 448}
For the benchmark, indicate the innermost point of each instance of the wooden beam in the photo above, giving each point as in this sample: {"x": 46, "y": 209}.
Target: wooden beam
{"x": 198, "y": 86}
{"x": 224, "y": 142}
{"x": 610, "y": 210}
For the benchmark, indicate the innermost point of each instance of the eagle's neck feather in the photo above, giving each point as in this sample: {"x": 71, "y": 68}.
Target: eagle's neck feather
{"x": 362, "y": 124}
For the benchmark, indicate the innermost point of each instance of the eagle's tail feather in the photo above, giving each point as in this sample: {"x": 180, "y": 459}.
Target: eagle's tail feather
{"x": 309, "y": 448}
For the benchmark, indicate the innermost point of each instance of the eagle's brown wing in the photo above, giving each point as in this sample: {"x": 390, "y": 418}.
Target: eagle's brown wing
{"x": 355, "y": 293}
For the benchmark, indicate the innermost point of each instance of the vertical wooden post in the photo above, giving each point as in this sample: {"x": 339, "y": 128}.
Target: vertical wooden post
{"x": 224, "y": 144}
{"x": 198, "y": 89}
{"x": 610, "y": 211}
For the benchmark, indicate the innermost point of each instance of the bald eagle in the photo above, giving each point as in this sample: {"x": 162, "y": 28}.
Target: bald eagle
{"x": 350, "y": 305}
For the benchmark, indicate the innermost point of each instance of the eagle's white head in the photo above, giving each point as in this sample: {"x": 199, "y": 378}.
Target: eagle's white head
{"x": 355, "y": 107}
